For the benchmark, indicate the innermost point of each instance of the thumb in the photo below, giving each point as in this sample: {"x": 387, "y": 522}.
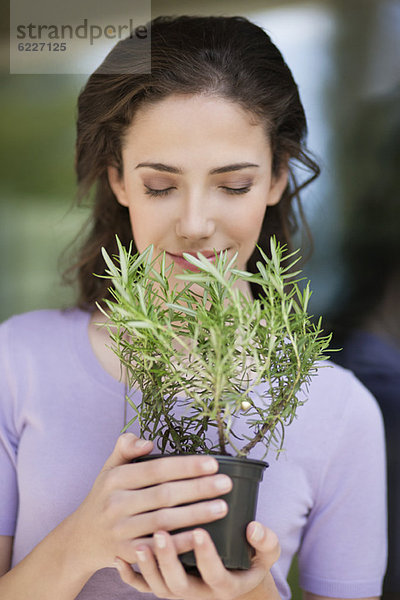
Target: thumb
{"x": 128, "y": 446}
{"x": 265, "y": 542}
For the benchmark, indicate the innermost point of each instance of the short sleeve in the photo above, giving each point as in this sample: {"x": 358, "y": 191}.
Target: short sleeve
{"x": 8, "y": 439}
{"x": 343, "y": 551}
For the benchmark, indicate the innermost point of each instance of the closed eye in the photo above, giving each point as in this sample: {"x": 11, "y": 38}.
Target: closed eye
{"x": 156, "y": 193}
{"x": 164, "y": 192}
{"x": 241, "y": 190}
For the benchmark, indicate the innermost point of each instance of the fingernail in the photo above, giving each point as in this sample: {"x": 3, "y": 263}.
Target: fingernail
{"x": 141, "y": 443}
{"x": 209, "y": 466}
{"x": 127, "y": 440}
{"x": 160, "y": 540}
{"x": 257, "y": 533}
{"x": 222, "y": 483}
{"x": 116, "y": 564}
{"x": 141, "y": 555}
{"x": 198, "y": 536}
{"x": 218, "y": 507}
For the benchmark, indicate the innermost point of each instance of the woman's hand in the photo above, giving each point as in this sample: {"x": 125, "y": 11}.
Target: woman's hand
{"x": 130, "y": 501}
{"x": 163, "y": 574}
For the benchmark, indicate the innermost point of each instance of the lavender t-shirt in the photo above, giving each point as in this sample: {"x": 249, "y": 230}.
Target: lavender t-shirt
{"x": 60, "y": 415}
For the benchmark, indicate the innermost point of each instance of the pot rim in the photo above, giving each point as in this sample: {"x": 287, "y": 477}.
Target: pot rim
{"x": 221, "y": 458}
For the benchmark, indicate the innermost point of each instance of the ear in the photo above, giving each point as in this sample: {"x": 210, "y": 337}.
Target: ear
{"x": 117, "y": 185}
{"x": 278, "y": 185}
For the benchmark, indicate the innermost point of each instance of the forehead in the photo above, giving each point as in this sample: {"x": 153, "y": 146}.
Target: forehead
{"x": 195, "y": 123}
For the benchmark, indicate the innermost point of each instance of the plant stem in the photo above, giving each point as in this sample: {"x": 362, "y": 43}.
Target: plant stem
{"x": 257, "y": 438}
{"x": 221, "y": 436}
{"x": 170, "y": 425}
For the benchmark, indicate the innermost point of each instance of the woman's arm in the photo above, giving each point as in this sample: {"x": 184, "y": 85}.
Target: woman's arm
{"x": 52, "y": 570}
{"x": 126, "y": 503}
{"x": 6, "y": 542}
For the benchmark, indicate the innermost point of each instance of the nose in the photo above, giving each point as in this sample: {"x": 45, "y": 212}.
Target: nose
{"x": 195, "y": 220}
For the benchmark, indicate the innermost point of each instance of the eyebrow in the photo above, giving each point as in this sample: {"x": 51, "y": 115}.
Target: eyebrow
{"x": 176, "y": 170}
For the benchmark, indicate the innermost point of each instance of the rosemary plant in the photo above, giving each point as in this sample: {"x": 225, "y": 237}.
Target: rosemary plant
{"x": 206, "y": 354}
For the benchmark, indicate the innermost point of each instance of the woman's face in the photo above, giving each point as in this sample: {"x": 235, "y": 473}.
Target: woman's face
{"x": 196, "y": 177}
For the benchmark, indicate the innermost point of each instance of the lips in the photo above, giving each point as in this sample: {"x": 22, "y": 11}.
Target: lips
{"x": 178, "y": 258}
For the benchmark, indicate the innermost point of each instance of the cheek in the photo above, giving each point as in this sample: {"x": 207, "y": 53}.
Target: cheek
{"x": 138, "y": 226}
{"x": 248, "y": 223}
{"x": 147, "y": 226}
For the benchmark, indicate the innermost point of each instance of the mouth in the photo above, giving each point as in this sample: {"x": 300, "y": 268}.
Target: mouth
{"x": 178, "y": 258}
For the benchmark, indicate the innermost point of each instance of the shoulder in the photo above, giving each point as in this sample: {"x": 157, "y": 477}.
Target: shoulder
{"x": 336, "y": 392}
{"x": 338, "y": 412}
{"x": 42, "y": 318}
{"x": 40, "y": 324}
{"x": 37, "y": 335}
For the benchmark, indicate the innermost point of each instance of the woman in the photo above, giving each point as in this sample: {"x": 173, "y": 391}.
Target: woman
{"x": 196, "y": 155}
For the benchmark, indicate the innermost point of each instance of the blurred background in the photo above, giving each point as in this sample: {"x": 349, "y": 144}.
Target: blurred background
{"x": 345, "y": 57}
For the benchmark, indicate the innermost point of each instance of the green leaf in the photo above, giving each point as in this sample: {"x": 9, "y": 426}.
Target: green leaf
{"x": 113, "y": 271}
{"x": 181, "y": 309}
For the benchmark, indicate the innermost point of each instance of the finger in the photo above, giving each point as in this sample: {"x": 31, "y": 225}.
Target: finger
{"x": 170, "y": 468}
{"x": 183, "y": 542}
{"x": 129, "y": 576}
{"x": 170, "y": 519}
{"x": 151, "y": 573}
{"x": 265, "y": 542}
{"x": 175, "y": 493}
{"x": 211, "y": 567}
{"x": 174, "y": 575}
{"x": 127, "y": 447}
{"x": 224, "y": 583}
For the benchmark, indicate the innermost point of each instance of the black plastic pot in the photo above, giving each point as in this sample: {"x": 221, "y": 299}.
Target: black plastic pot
{"x": 229, "y": 533}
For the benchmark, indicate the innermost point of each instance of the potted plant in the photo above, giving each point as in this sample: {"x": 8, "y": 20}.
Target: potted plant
{"x": 205, "y": 355}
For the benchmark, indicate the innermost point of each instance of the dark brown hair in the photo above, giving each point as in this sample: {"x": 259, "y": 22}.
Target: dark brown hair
{"x": 229, "y": 57}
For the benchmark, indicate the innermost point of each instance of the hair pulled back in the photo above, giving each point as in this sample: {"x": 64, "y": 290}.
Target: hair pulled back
{"x": 228, "y": 57}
